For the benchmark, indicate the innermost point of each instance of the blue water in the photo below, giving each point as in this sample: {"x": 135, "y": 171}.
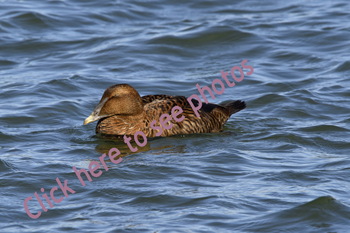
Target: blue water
{"x": 281, "y": 165}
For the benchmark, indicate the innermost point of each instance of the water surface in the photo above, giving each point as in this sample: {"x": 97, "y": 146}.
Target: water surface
{"x": 285, "y": 169}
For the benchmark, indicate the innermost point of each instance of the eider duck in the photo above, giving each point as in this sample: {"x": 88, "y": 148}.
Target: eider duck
{"x": 122, "y": 111}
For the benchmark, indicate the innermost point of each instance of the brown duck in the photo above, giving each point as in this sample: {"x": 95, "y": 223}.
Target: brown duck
{"x": 122, "y": 111}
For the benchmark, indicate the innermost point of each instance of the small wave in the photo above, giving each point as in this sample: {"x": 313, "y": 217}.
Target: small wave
{"x": 322, "y": 213}
{"x": 345, "y": 66}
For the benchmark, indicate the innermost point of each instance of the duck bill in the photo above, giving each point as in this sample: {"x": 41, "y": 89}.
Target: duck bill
{"x": 95, "y": 114}
{"x": 91, "y": 118}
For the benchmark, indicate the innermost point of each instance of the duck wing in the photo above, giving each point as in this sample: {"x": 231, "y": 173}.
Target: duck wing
{"x": 212, "y": 116}
{"x": 168, "y": 102}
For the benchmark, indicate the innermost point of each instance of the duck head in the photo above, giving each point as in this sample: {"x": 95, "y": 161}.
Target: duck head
{"x": 119, "y": 99}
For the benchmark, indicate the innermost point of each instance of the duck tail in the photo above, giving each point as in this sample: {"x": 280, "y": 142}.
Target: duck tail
{"x": 235, "y": 106}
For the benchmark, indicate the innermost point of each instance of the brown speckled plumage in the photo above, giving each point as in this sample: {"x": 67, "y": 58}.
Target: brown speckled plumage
{"x": 122, "y": 111}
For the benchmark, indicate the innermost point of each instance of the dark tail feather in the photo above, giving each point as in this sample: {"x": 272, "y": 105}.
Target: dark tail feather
{"x": 235, "y": 106}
